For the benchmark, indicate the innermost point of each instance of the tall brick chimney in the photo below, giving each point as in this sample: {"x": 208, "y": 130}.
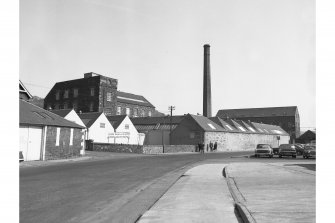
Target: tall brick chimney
{"x": 207, "y": 96}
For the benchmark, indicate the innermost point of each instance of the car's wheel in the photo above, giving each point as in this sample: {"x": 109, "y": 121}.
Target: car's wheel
{"x": 294, "y": 156}
{"x": 280, "y": 156}
{"x": 270, "y": 156}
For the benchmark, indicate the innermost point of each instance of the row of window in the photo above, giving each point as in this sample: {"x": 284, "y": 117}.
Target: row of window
{"x": 75, "y": 92}
{"x": 136, "y": 112}
{"x": 74, "y": 105}
{"x": 103, "y": 125}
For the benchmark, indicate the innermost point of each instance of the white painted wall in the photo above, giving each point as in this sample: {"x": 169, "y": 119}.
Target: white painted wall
{"x": 31, "y": 142}
{"x": 134, "y": 137}
{"x": 72, "y": 116}
{"x": 98, "y": 134}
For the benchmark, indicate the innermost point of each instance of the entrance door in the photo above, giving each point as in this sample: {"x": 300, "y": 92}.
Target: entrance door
{"x": 31, "y": 142}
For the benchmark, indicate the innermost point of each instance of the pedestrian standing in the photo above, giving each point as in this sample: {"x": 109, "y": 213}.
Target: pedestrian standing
{"x": 211, "y": 146}
{"x": 215, "y": 146}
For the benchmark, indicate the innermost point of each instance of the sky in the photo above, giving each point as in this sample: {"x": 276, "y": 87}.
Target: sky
{"x": 262, "y": 52}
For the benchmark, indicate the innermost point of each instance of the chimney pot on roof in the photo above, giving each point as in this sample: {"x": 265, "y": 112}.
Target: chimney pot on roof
{"x": 88, "y": 75}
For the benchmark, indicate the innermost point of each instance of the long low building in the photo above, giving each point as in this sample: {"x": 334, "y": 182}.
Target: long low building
{"x": 229, "y": 134}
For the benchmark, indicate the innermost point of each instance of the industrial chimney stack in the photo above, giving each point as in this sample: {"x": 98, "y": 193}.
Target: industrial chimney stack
{"x": 207, "y": 96}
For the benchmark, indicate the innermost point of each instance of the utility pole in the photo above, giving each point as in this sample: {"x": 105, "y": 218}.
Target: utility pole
{"x": 171, "y": 108}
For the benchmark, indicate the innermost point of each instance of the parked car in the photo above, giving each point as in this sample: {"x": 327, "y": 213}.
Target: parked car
{"x": 263, "y": 150}
{"x": 299, "y": 148}
{"x": 287, "y": 150}
{"x": 309, "y": 151}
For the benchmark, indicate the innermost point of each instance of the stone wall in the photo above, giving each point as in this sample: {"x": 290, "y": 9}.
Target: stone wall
{"x": 152, "y": 149}
{"x": 179, "y": 148}
{"x": 228, "y": 141}
{"x": 63, "y": 150}
{"x": 157, "y": 149}
{"x": 118, "y": 148}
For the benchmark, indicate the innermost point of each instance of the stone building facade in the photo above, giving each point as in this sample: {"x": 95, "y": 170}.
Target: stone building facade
{"x": 286, "y": 117}
{"x": 96, "y": 93}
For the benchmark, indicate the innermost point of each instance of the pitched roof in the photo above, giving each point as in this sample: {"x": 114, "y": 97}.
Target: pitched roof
{"x": 33, "y": 115}
{"x": 128, "y": 98}
{"x": 257, "y": 112}
{"x": 23, "y": 90}
{"x": 155, "y": 120}
{"x": 61, "y": 112}
{"x": 206, "y": 124}
{"x": 89, "y": 118}
{"x": 116, "y": 120}
{"x": 269, "y": 129}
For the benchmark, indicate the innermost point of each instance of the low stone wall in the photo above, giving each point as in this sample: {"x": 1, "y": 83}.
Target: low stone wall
{"x": 179, "y": 148}
{"x": 118, "y": 148}
{"x": 157, "y": 149}
{"x": 152, "y": 149}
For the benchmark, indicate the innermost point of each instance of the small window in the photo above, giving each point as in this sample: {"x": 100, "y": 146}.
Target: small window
{"x": 241, "y": 128}
{"x": 71, "y": 137}
{"x": 75, "y": 106}
{"x": 109, "y": 96}
{"x": 128, "y": 111}
{"x": 91, "y": 106}
{"x": 92, "y": 91}
{"x": 65, "y": 106}
{"x": 118, "y": 112}
{"x": 135, "y": 112}
{"x": 228, "y": 126}
{"x": 210, "y": 125}
{"x": 102, "y": 125}
{"x": 260, "y": 130}
{"x": 57, "y": 136}
{"x": 108, "y": 112}
{"x": 192, "y": 135}
{"x": 126, "y": 126}
{"x": 66, "y": 94}
{"x": 75, "y": 92}
{"x": 251, "y": 129}
{"x": 149, "y": 113}
{"x": 57, "y": 95}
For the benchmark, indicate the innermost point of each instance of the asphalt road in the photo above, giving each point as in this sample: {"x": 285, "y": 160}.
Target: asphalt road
{"x": 109, "y": 190}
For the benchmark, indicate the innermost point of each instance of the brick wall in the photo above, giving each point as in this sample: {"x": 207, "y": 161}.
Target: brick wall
{"x": 64, "y": 150}
{"x": 132, "y": 106}
{"x": 119, "y": 148}
{"x": 241, "y": 141}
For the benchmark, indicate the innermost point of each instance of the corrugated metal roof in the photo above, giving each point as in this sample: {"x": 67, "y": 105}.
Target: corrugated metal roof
{"x": 128, "y": 98}
{"x": 33, "y": 115}
{"x": 155, "y": 120}
{"x": 257, "y": 112}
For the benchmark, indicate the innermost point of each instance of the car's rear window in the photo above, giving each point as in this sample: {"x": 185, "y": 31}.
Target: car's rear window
{"x": 261, "y": 146}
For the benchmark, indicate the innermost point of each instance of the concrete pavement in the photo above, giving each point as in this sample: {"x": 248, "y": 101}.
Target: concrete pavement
{"x": 262, "y": 192}
{"x": 278, "y": 192}
{"x": 200, "y": 195}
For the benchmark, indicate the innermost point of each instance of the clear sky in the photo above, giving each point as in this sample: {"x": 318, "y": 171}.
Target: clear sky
{"x": 262, "y": 52}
